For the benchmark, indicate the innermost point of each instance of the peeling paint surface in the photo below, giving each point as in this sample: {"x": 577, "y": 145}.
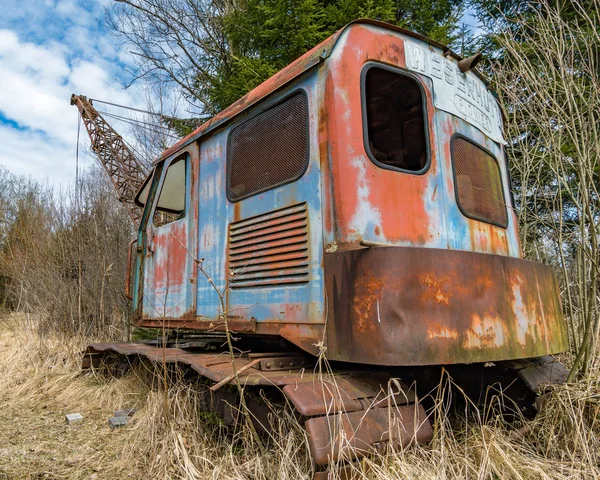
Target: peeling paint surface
{"x": 169, "y": 269}
{"x": 415, "y": 306}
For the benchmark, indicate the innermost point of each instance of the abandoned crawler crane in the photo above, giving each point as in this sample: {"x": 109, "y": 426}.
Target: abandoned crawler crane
{"x": 357, "y": 203}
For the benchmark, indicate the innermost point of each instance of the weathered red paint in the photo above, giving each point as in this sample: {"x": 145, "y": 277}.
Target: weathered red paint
{"x": 355, "y": 434}
{"x": 356, "y": 182}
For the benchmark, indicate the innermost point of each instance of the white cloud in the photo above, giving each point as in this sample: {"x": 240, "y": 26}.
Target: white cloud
{"x": 58, "y": 50}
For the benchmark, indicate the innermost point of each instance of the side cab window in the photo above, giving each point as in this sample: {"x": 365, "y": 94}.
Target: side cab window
{"x": 171, "y": 203}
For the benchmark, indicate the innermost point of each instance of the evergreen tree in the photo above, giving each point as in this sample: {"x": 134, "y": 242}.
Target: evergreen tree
{"x": 267, "y": 35}
{"x": 215, "y": 51}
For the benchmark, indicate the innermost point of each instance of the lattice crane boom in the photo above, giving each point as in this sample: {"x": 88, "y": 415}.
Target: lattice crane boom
{"x": 124, "y": 170}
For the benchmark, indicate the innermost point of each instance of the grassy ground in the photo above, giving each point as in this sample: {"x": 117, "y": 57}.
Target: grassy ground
{"x": 169, "y": 437}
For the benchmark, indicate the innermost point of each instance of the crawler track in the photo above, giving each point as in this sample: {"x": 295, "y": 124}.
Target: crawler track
{"x": 347, "y": 413}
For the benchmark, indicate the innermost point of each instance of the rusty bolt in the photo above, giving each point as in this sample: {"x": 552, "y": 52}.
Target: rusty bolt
{"x": 280, "y": 364}
{"x": 268, "y": 365}
{"x": 291, "y": 364}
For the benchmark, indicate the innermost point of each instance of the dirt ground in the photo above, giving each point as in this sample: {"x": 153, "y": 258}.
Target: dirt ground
{"x": 39, "y": 384}
{"x": 36, "y": 443}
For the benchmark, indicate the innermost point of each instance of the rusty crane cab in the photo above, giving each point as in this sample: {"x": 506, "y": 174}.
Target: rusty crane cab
{"x": 357, "y": 203}
{"x": 361, "y": 198}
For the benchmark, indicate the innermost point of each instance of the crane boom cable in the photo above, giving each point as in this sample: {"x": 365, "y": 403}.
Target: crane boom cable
{"x": 147, "y": 159}
{"x": 77, "y": 162}
{"x": 140, "y": 123}
{"x": 134, "y": 109}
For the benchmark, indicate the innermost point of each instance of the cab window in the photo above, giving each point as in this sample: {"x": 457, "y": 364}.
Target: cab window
{"x": 394, "y": 118}
{"x": 171, "y": 203}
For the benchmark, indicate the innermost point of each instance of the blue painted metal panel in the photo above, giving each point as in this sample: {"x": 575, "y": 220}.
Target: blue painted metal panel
{"x": 297, "y": 303}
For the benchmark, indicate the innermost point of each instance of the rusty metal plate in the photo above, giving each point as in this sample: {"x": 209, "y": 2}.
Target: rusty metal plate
{"x": 354, "y": 434}
{"x": 215, "y": 366}
{"x": 344, "y": 394}
{"x": 200, "y": 324}
{"x": 423, "y": 306}
{"x": 292, "y": 362}
{"x": 539, "y": 376}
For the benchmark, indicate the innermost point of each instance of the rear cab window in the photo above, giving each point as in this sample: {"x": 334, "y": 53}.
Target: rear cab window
{"x": 394, "y": 120}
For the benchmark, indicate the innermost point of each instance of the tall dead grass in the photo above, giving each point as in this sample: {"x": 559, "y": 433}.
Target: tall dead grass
{"x": 177, "y": 439}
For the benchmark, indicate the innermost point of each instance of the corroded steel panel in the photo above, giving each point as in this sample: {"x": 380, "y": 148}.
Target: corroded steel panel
{"x": 354, "y": 434}
{"x": 346, "y": 394}
{"x": 411, "y": 306}
{"x": 462, "y": 232}
{"x": 366, "y": 203}
{"x": 225, "y": 247}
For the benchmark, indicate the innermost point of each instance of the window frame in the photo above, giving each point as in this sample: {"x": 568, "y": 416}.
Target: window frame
{"x": 455, "y": 137}
{"x": 365, "y": 125}
{"x": 268, "y": 105}
{"x": 165, "y": 170}
{"x": 511, "y": 191}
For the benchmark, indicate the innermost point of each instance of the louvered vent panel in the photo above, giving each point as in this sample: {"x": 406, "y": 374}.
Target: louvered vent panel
{"x": 270, "y": 249}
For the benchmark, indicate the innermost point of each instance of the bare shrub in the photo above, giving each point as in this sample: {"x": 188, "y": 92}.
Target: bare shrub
{"x": 63, "y": 255}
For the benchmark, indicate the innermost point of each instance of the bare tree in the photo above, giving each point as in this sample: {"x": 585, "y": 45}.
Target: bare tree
{"x": 176, "y": 41}
{"x": 65, "y": 259}
{"x": 549, "y": 83}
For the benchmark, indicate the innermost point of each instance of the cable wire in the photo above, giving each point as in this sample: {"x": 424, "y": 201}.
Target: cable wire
{"x": 134, "y": 109}
{"x": 77, "y": 195}
{"x": 126, "y": 119}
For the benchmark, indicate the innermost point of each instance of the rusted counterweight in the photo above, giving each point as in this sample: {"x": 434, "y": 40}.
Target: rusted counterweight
{"x": 413, "y": 306}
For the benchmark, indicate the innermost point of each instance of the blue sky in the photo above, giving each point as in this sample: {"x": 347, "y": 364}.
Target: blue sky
{"x": 48, "y": 50}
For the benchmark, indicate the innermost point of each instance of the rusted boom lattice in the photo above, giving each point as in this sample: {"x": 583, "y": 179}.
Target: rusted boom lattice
{"x": 124, "y": 170}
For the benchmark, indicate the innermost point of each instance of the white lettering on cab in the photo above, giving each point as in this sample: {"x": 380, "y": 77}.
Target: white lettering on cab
{"x": 461, "y": 94}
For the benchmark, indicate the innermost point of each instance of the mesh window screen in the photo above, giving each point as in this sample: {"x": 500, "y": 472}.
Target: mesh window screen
{"x": 478, "y": 183}
{"x": 268, "y": 150}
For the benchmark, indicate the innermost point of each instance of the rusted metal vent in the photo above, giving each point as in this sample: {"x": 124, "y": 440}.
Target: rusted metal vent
{"x": 478, "y": 183}
{"x": 270, "y": 249}
{"x": 269, "y": 149}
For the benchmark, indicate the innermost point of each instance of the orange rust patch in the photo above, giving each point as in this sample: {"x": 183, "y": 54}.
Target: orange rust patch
{"x": 366, "y": 304}
{"x": 485, "y": 332}
{"x": 436, "y": 289}
{"x": 436, "y": 330}
{"x": 380, "y": 191}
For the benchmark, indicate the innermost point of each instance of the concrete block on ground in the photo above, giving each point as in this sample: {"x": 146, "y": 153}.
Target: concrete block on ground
{"x": 71, "y": 418}
{"x": 116, "y": 422}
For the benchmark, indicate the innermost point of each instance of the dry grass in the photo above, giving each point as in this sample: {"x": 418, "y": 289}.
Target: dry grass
{"x": 40, "y": 383}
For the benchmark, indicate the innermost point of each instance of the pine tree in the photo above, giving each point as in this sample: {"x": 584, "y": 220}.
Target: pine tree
{"x": 266, "y": 35}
